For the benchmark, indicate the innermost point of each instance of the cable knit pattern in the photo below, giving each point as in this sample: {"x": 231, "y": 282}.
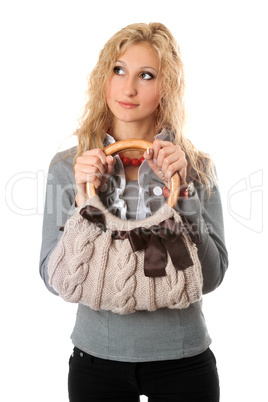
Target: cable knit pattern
{"x": 76, "y": 247}
{"x": 89, "y": 267}
{"x": 99, "y": 271}
{"x": 125, "y": 282}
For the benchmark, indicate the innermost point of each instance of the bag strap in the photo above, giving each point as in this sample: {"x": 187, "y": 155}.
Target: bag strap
{"x": 137, "y": 144}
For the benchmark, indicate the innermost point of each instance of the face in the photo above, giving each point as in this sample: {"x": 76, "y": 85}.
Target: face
{"x": 133, "y": 89}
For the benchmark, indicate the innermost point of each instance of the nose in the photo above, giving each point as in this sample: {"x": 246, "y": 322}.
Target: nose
{"x": 130, "y": 87}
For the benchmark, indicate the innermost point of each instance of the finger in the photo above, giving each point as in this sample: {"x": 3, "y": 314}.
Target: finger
{"x": 171, "y": 159}
{"x": 92, "y": 175}
{"x": 168, "y": 156}
{"x": 97, "y": 153}
{"x": 84, "y": 163}
{"x": 148, "y": 154}
{"x": 157, "y": 146}
{"x": 156, "y": 169}
{"x": 110, "y": 161}
{"x": 84, "y": 171}
{"x": 178, "y": 166}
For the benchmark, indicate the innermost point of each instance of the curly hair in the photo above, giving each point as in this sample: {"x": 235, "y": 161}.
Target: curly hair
{"x": 97, "y": 117}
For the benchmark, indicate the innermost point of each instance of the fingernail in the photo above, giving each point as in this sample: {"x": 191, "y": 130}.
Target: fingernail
{"x": 148, "y": 151}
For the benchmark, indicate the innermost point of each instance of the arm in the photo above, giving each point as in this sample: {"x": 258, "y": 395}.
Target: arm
{"x": 59, "y": 206}
{"x": 166, "y": 158}
{"x": 61, "y": 199}
{"x": 207, "y": 215}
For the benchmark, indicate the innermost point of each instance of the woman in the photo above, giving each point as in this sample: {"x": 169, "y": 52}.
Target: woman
{"x": 136, "y": 91}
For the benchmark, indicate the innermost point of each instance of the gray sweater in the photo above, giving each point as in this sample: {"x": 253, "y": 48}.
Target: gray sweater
{"x": 142, "y": 336}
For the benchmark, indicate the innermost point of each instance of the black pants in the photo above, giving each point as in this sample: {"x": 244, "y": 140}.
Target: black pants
{"x": 193, "y": 379}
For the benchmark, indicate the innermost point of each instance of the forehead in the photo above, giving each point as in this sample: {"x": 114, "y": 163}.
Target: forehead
{"x": 141, "y": 53}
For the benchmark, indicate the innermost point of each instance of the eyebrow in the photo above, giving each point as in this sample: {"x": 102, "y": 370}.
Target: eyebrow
{"x": 141, "y": 68}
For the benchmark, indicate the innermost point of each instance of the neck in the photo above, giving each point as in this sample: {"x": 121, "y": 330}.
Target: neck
{"x": 122, "y": 130}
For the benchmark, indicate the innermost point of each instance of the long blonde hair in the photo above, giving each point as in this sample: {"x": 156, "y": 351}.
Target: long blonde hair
{"x": 170, "y": 113}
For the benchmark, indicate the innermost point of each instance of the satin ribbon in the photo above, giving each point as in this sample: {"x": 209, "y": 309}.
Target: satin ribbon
{"x": 157, "y": 242}
{"x": 94, "y": 215}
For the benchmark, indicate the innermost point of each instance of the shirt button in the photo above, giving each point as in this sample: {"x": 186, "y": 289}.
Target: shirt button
{"x": 157, "y": 191}
{"x": 104, "y": 188}
{"x": 81, "y": 354}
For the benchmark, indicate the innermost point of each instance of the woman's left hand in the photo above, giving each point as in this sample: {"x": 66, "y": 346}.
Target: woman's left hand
{"x": 165, "y": 158}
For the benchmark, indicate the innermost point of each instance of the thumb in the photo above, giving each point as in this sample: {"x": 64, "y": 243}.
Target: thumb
{"x": 148, "y": 156}
{"x": 110, "y": 160}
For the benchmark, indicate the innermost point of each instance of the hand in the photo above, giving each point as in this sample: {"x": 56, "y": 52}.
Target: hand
{"x": 165, "y": 159}
{"x": 93, "y": 167}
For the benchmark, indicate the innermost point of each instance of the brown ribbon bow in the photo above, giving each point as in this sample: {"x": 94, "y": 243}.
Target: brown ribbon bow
{"x": 94, "y": 215}
{"x": 156, "y": 241}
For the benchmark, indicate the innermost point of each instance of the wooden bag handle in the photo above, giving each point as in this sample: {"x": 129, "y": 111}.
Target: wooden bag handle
{"x": 137, "y": 144}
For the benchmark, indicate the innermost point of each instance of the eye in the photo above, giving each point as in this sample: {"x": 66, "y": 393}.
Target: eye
{"x": 119, "y": 70}
{"x": 146, "y": 76}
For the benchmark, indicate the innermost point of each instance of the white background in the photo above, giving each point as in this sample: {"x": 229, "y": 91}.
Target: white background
{"x": 47, "y": 50}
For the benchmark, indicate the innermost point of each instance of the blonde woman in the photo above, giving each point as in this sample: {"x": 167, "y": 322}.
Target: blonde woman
{"x": 136, "y": 90}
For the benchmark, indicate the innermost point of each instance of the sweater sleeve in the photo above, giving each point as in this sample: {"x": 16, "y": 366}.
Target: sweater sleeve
{"x": 207, "y": 215}
{"x": 59, "y": 206}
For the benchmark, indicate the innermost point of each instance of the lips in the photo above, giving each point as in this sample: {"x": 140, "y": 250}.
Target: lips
{"x": 128, "y": 105}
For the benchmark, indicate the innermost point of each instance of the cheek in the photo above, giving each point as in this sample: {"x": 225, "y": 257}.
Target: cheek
{"x": 112, "y": 89}
{"x": 154, "y": 99}
{"x": 108, "y": 93}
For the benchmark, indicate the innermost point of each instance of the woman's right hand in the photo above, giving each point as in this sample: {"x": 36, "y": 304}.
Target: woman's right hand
{"x": 92, "y": 167}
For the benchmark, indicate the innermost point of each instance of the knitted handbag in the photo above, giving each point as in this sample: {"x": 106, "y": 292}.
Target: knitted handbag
{"x": 108, "y": 263}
